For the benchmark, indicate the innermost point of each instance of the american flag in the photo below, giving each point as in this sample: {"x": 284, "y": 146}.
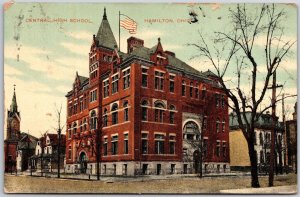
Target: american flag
{"x": 129, "y": 24}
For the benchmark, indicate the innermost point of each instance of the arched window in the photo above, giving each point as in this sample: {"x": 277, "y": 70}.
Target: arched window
{"x": 144, "y": 110}
{"x": 114, "y": 110}
{"x": 191, "y": 131}
{"x": 159, "y": 111}
{"x": 105, "y": 118}
{"x": 126, "y": 112}
{"x": 172, "y": 114}
{"x": 93, "y": 124}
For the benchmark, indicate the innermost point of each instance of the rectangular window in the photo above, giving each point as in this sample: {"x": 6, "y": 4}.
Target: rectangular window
{"x": 172, "y": 141}
{"x": 159, "y": 144}
{"x": 191, "y": 89}
{"x": 159, "y": 80}
{"x": 70, "y": 153}
{"x": 93, "y": 95}
{"x": 105, "y": 88}
{"x": 105, "y": 148}
{"x": 224, "y": 149}
{"x": 115, "y": 82}
{"x": 144, "y": 77}
{"x": 144, "y": 113}
{"x": 126, "y": 114}
{"x": 196, "y": 93}
{"x": 217, "y": 98}
{"x": 81, "y": 104}
{"x": 172, "y": 83}
{"x": 172, "y": 117}
{"x": 144, "y": 143}
{"x": 223, "y": 126}
{"x": 114, "y": 145}
{"x": 183, "y": 88}
{"x": 126, "y": 79}
{"x": 126, "y": 143}
{"x": 218, "y": 149}
{"x": 159, "y": 115}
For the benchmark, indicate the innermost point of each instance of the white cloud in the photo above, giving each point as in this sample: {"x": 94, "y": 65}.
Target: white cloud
{"x": 81, "y": 35}
{"x": 79, "y": 49}
{"x": 10, "y": 70}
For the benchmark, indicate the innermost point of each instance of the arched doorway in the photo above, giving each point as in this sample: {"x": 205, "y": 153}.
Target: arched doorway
{"x": 83, "y": 162}
{"x": 192, "y": 145}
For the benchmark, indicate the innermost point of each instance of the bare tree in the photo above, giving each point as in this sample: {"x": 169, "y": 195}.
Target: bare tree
{"x": 239, "y": 43}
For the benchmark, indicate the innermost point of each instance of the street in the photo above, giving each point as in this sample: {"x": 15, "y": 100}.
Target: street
{"x": 192, "y": 185}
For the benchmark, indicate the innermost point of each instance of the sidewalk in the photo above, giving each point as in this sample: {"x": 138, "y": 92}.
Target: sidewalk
{"x": 290, "y": 189}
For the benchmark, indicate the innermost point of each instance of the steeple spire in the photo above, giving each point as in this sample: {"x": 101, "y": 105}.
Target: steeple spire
{"x": 14, "y": 106}
{"x": 104, "y": 15}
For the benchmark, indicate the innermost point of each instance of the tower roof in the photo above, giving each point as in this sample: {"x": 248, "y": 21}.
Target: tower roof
{"x": 105, "y": 36}
{"x": 14, "y": 106}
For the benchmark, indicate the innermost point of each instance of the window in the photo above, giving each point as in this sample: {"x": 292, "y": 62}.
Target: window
{"x": 144, "y": 77}
{"x": 172, "y": 114}
{"x": 183, "y": 88}
{"x": 172, "y": 168}
{"x": 204, "y": 122}
{"x": 105, "y": 118}
{"x": 126, "y": 78}
{"x": 126, "y": 113}
{"x": 114, "y": 111}
{"x": 80, "y": 126}
{"x": 191, "y": 89}
{"x": 144, "y": 110}
{"x": 159, "y": 112}
{"x": 81, "y": 104}
{"x": 85, "y": 102}
{"x": 93, "y": 123}
{"x": 172, "y": 141}
{"x": 70, "y": 153}
{"x": 126, "y": 143}
{"x": 115, "y": 80}
{"x": 105, "y": 147}
{"x": 203, "y": 92}
{"x": 105, "y": 88}
{"x": 74, "y": 128}
{"x": 224, "y": 149}
{"x": 261, "y": 141}
{"x": 218, "y": 149}
{"x": 93, "y": 96}
{"x": 172, "y": 85}
{"x": 69, "y": 132}
{"x": 217, "y": 99}
{"x": 159, "y": 144}
{"x": 261, "y": 156}
{"x": 84, "y": 124}
{"x": 218, "y": 125}
{"x": 70, "y": 109}
{"x": 205, "y": 147}
{"x": 144, "y": 143}
{"x": 75, "y": 108}
{"x": 159, "y": 80}
{"x": 223, "y": 125}
{"x": 196, "y": 91}
{"x": 223, "y": 101}
{"x": 114, "y": 145}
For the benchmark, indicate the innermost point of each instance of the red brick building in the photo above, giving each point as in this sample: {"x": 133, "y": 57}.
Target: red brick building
{"x": 151, "y": 109}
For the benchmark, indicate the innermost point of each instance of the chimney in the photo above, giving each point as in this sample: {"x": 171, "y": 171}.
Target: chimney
{"x": 133, "y": 43}
{"x": 170, "y": 53}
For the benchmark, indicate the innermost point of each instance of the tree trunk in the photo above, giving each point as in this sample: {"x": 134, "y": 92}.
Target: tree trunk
{"x": 253, "y": 161}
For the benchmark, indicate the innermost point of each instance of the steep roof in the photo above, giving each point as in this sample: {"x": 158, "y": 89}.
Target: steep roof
{"x": 105, "y": 36}
{"x": 82, "y": 79}
{"x": 27, "y": 141}
{"x": 209, "y": 73}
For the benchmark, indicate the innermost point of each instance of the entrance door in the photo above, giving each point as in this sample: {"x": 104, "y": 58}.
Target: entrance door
{"x": 185, "y": 167}
{"x": 145, "y": 168}
{"x": 83, "y": 162}
{"x": 196, "y": 156}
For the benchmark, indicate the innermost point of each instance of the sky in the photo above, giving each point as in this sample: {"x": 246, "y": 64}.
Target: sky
{"x": 41, "y": 58}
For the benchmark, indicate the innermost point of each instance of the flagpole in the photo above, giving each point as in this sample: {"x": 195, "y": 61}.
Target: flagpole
{"x": 119, "y": 32}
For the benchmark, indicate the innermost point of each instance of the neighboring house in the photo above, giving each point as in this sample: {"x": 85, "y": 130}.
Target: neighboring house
{"x": 152, "y": 111}
{"x": 46, "y": 153}
{"x": 291, "y": 135}
{"x": 239, "y": 156}
{"x": 25, "y": 149}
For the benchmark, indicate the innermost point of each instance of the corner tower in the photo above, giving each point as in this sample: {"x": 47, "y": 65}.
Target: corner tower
{"x": 13, "y": 120}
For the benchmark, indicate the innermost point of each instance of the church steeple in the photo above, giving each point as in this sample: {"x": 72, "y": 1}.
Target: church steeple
{"x": 104, "y": 15}
{"x": 14, "y": 106}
